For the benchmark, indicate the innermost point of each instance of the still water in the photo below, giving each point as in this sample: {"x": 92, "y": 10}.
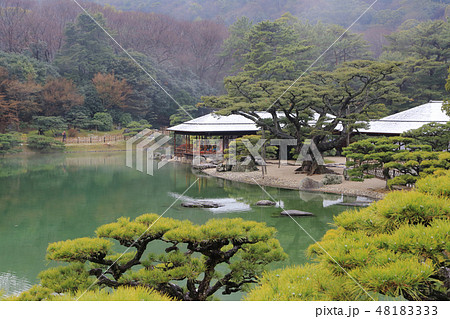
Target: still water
{"x": 49, "y": 198}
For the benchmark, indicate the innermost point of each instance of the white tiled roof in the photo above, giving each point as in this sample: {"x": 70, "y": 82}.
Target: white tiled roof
{"x": 218, "y": 123}
{"x": 228, "y": 123}
{"x": 408, "y": 120}
{"x": 393, "y": 124}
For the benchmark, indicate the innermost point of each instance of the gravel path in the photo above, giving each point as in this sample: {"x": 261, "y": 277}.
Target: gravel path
{"x": 285, "y": 177}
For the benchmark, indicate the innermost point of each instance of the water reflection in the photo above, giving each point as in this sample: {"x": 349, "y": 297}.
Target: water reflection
{"x": 10, "y": 284}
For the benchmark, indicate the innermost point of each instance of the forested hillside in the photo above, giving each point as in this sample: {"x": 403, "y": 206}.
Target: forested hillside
{"x": 385, "y": 16}
{"x": 55, "y": 62}
{"x": 332, "y": 11}
{"x": 44, "y": 41}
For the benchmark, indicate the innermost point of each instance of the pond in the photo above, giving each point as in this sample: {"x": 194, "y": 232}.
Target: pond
{"x": 49, "y": 198}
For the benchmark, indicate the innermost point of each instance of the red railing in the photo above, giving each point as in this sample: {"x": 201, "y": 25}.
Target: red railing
{"x": 188, "y": 149}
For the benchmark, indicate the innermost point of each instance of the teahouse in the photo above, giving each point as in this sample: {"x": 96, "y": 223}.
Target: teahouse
{"x": 210, "y": 126}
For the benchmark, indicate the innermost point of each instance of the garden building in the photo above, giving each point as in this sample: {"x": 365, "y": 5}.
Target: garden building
{"x": 410, "y": 119}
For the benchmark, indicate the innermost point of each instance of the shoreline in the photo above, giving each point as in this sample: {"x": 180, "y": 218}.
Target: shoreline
{"x": 284, "y": 177}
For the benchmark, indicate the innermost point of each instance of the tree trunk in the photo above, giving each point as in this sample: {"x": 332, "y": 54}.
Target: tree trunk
{"x": 312, "y": 168}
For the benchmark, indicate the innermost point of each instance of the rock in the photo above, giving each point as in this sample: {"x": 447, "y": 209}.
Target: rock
{"x": 331, "y": 179}
{"x": 356, "y": 204}
{"x": 251, "y": 167}
{"x": 200, "y": 204}
{"x": 295, "y": 213}
{"x": 217, "y": 161}
{"x": 309, "y": 183}
{"x": 265, "y": 203}
{"x": 223, "y": 168}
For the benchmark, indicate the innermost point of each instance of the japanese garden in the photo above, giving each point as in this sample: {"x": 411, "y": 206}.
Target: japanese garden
{"x": 224, "y": 150}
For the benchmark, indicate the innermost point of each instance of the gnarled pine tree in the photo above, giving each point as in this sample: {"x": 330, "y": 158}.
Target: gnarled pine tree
{"x": 396, "y": 248}
{"x": 198, "y": 260}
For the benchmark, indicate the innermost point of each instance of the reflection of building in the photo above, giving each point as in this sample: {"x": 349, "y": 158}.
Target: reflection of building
{"x": 410, "y": 119}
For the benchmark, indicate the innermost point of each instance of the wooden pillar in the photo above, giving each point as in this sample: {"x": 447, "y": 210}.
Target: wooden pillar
{"x": 174, "y": 144}
{"x": 263, "y": 154}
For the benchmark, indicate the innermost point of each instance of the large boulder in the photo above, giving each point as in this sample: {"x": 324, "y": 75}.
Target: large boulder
{"x": 223, "y": 167}
{"x": 356, "y": 204}
{"x": 295, "y": 213}
{"x": 251, "y": 167}
{"x": 265, "y": 203}
{"x": 309, "y": 183}
{"x": 200, "y": 204}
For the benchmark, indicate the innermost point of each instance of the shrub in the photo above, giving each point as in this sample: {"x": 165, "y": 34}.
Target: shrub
{"x": 49, "y": 123}
{"x": 72, "y": 132}
{"x": 238, "y": 152}
{"x": 120, "y": 294}
{"x": 398, "y": 208}
{"x": 134, "y": 127}
{"x": 435, "y": 185}
{"x": 103, "y": 121}
{"x": 396, "y": 248}
{"x": 330, "y": 179}
{"x": 402, "y": 180}
{"x": 44, "y": 144}
{"x": 394, "y": 155}
{"x": 125, "y": 119}
{"x": 435, "y": 134}
{"x": 35, "y": 293}
{"x": 38, "y": 293}
{"x": 307, "y": 283}
{"x": 9, "y": 143}
{"x": 66, "y": 278}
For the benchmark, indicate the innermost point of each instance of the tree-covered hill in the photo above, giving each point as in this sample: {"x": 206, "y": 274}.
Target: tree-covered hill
{"x": 55, "y": 62}
{"x": 385, "y": 16}
{"x": 392, "y": 12}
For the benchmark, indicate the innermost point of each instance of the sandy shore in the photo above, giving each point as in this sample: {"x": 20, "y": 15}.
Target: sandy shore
{"x": 285, "y": 177}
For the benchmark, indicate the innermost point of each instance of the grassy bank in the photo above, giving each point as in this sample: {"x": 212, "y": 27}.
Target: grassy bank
{"x": 96, "y": 147}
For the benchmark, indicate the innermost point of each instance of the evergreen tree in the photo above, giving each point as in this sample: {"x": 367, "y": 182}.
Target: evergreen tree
{"x": 314, "y": 106}
{"x": 187, "y": 270}
{"x": 86, "y": 51}
{"x": 274, "y": 51}
{"x": 9, "y": 143}
{"x": 424, "y": 50}
{"x": 396, "y": 248}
